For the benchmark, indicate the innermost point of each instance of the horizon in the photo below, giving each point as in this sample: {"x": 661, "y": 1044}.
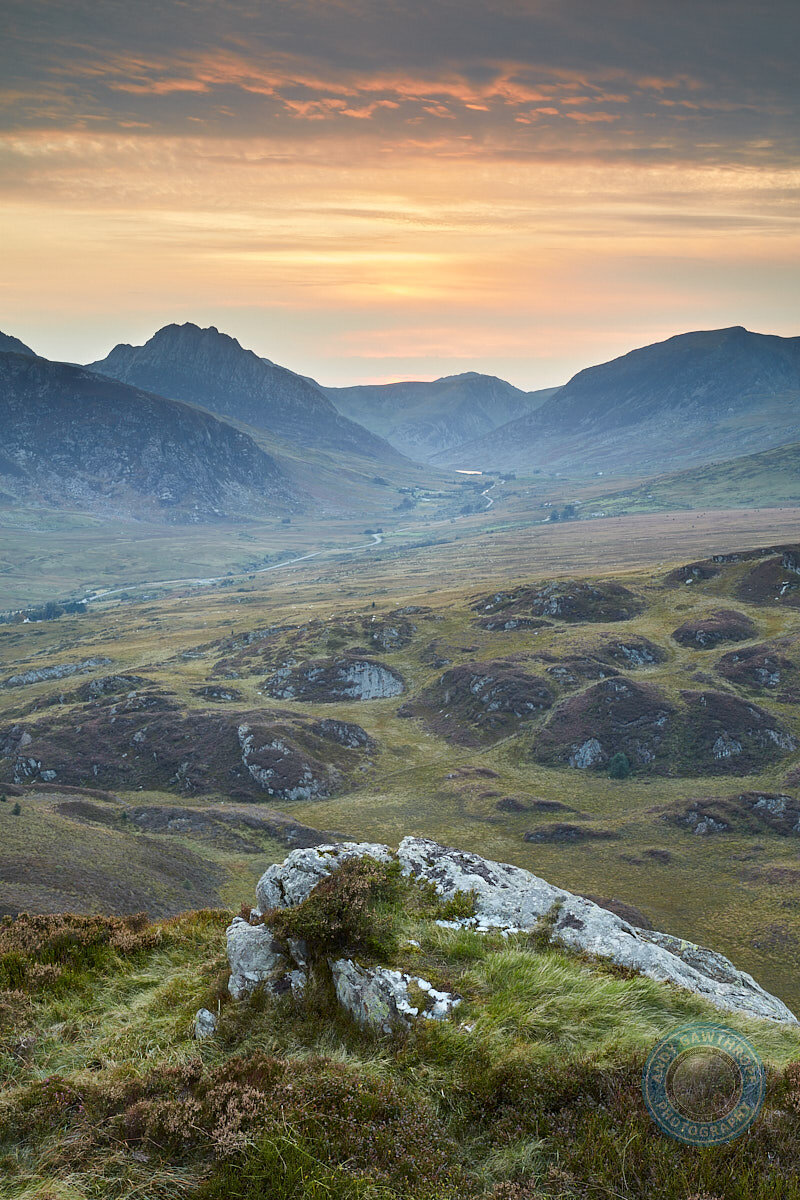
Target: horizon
{"x": 386, "y": 380}
{"x": 400, "y": 193}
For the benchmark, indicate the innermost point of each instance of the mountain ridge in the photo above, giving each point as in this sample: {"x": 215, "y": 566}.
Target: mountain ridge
{"x": 209, "y": 368}
{"x": 657, "y": 406}
{"x": 72, "y": 438}
{"x": 422, "y": 419}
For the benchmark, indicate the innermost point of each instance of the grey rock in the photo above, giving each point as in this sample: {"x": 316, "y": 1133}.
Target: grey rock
{"x": 512, "y": 899}
{"x": 254, "y": 957}
{"x": 378, "y": 998}
{"x": 205, "y": 1024}
{"x": 61, "y": 671}
{"x": 288, "y": 883}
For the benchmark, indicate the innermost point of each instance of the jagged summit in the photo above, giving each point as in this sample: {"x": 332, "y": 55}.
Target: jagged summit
{"x": 211, "y": 369}
{"x": 12, "y": 345}
{"x": 74, "y": 439}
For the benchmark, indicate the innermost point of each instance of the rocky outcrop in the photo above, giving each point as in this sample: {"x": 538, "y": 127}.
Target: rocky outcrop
{"x": 709, "y": 733}
{"x": 565, "y": 600}
{"x": 141, "y": 740}
{"x": 481, "y": 701}
{"x": 59, "y": 671}
{"x": 724, "y": 625}
{"x": 770, "y": 668}
{"x": 328, "y": 679}
{"x": 507, "y": 899}
{"x": 749, "y": 812}
{"x": 774, "y": 581}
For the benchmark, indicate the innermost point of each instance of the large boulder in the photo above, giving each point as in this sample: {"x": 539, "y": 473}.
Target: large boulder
{"x": 511, "y": 898}
{"x": 283, "y": 885}
{"x": 508, "y": 899}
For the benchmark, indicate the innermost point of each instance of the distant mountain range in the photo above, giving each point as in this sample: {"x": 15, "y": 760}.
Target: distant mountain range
{"x": 424, "y": 419}
{"x": 209, "y": 368}
{"x": 695, "y": 398}
{"x": 72, "y": 439}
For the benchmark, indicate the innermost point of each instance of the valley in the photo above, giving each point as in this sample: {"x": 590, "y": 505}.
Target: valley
{"x": 407, "y": 624}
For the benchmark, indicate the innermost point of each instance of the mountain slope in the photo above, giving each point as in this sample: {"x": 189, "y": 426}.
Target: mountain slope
{"x": 694, "y": 398}
{"x": 209, "y": 368}
{"x": 72, "y": 439}
{"x": 424, "y": 419}
{"x": 769, "y": 479}
{"x": 13, "y": 345}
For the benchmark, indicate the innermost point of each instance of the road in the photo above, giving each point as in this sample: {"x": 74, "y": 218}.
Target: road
{"x": 377, "y": 539}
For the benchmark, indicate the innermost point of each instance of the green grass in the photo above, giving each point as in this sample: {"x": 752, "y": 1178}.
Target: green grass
{"x": 533, "y": 1084}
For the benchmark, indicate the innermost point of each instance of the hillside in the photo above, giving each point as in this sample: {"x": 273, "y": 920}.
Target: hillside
{"x": 424, "y": 419}
{"x": 139, "y": 1059}
{"x": 209, "y": 368}
{"x": 769, "y": 479}
{"x": 78, "y": 441}
{"x": 694, "y": 398}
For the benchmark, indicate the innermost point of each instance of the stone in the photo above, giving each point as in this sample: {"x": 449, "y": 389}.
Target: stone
{"x": 512, "y": 899}
{"x": 205, "y": 1024}
{"x": 378, "y": 997}
{"x": 254, "y": 956}
{"x": 288, "y": 883}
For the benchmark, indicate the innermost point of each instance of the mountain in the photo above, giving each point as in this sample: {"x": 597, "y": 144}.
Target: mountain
{"x": 695, "y": 398}
{"x": 73, "y": 439}
{"x": 210, "y": 368}
{"x": 14, "y": 345}
{"x": 424, "y": 419}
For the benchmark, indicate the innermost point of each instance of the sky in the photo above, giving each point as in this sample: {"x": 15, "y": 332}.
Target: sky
{"x": 371, "y": 190}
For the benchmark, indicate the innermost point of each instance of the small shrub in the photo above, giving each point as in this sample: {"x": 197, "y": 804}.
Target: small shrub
{"x": 353, "y": 910}
{"x": 17, "y": 809}
{"x": 619, "y": 767}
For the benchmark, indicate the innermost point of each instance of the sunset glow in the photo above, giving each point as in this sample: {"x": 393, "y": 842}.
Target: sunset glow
{"x": 363, "y": 197}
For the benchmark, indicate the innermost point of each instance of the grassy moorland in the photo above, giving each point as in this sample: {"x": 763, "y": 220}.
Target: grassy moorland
{"x": 150, "y": 809}
{"x": 531, "y": 1091}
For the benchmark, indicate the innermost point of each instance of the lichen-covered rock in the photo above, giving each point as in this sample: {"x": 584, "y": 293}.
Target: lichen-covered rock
{"x": 327, "y": 679}
{"x": 508, "y": 897}
{"x": 723, "y": 625}
{"x": 378, "y": 997}
{"x": 254, "y": 956}
{"x": 286, "y": 884}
